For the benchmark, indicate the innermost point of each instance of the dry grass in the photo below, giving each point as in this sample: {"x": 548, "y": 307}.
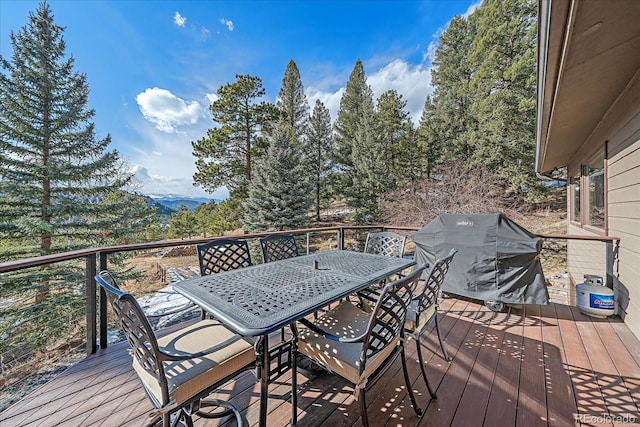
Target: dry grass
{"x": 550, "y": 220}
{"x": 153, "y": 265}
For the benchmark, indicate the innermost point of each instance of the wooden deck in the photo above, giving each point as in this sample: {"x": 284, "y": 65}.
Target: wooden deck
{"x": 541, "y": 365}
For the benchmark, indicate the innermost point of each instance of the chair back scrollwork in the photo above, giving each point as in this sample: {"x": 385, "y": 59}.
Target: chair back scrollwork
{"x": 385, "y": 243}
{"x": 136, "y": 327}
{"x": 223, "y": 255}
{"x": 278, "y": 246}
{"x": 390, "y": 312}
{"x": 433, "y": 283}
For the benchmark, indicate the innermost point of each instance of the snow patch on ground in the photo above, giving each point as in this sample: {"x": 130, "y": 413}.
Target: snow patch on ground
{"x": 162, "y": 301}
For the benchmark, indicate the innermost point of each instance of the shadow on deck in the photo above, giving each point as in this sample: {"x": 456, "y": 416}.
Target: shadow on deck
{"x": 540, "y": 365}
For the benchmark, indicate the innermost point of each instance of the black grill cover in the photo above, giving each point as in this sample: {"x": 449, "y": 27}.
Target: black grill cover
{"x": 497, "y": 259}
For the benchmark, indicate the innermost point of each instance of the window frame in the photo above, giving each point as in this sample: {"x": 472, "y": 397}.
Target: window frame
{"x": 575, "y": 209}
{"x": 582, "y": 179}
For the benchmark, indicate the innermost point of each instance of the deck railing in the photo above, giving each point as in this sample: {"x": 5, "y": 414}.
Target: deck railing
{"x": 23, "y": 362}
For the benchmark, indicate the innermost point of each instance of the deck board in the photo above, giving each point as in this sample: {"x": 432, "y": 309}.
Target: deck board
{"x": 532, "y": 402}
{"x": 502, "y": 405}
{"x": 537, "y": 365}
{"x": 456, "y": 379}
{"x": 561, "y": 401}
{"x": 476, "y": 395}
{"x": 591, "y": 402}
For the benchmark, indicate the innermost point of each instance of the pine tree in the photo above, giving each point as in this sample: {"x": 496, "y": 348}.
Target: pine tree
{"x": 128, "y": 218}
{"x": 204, "y": 215}
{"x": 504, "y": 57}
{"x": 61, "y": 187}
{"x": 482, "y": 113}
{"x": 357, "y": 94}
{"x": 279, "y": 193}
{"x": 228, "y": 217}
{"x": 183, "y": 223}
{"x": 452, "y": 97}
{"x": 321, "y": 145}
{"x": 213, "y": 219}
{"x": 359, "y": 156}
{"x": 54, "y": 171}
{"x": 402, "y": 154}
{"x": 225, "y": 156}
{"x": 294, "y": 112}
{"x": 292, "y": 103}
{"x": 370, "y": 176}
{"x": 425, "y": 137}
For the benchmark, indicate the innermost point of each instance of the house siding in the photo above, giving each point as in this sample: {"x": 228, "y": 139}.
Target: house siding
{"x": 585, "y": 256}
{"x": 623, "y": 212}
{"x": 624, "y": 217}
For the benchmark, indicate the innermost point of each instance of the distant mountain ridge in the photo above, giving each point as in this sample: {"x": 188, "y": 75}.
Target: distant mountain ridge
{"x": 167, "y": 204}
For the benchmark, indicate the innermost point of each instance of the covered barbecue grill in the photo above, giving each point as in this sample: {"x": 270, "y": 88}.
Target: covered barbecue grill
{"x": 497, "y": 260}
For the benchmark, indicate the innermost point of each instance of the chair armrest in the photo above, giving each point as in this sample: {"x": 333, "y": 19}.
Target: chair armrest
{"x": 401, "y": 274}
{"x": 176, "y": 357}
{"x": 328, "y": 335}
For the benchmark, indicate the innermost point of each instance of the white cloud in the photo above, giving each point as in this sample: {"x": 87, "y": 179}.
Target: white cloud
{"x": 211, "y": 97}
{"x": 472, "y": 9}
{"x": 331, "y": 100}
{"x": 152, "y": 184}
{"x": 430, "y": 54}
{"x": 228, "y": 23}
{"x": 165, "y": 164}
{"x": 141, "y": 173}
{"x": 166, "y": 111}
{"x": 179, "y": 20}
{"x": 413, "y": 82}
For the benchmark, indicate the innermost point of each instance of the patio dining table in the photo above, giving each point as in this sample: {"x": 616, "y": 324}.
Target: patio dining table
{"x": 258, "y": 300}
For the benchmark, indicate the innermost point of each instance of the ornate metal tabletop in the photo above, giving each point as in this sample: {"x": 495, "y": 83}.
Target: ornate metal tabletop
{"x": 263, "y": 298}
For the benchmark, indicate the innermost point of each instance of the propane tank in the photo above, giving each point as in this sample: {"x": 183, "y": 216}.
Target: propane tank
{"x": 593, "y": 298}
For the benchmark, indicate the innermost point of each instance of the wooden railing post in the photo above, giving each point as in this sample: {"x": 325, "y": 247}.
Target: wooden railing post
{"x": 103, "y": 305}
{"x": 90, "y": 286}
{"x": 340, "y": 238}
{"x": 308, "y": 242}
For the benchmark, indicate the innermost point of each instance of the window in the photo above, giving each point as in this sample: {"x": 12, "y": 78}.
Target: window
{"x": 586, "y": 196}
{"x": 575, "y": 200}
{"x": 595, "y": 197}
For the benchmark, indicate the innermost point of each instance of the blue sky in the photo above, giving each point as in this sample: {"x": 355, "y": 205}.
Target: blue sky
{"x": 153, "y": 67}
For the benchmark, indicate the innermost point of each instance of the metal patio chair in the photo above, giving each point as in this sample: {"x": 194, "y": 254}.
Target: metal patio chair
{"x": 385, "y": 243}
{"x": 223, "y": 255}
{"x": 278, "y": 246}
{"x": 179, "y": 370}
{"x": 424, "y": 307}
{"x": 360, "y": 346}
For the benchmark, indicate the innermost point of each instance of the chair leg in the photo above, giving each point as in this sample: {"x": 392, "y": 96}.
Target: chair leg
{"x": 294, "y": 375}
{"x": 444, "y": 351}
{"x": 408, "y": 383}
{"x": 433, "y": 394}
{"x": 228, "y": 409}
{"x": 363, "y": 409}
{"x": 187, "y": 418}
